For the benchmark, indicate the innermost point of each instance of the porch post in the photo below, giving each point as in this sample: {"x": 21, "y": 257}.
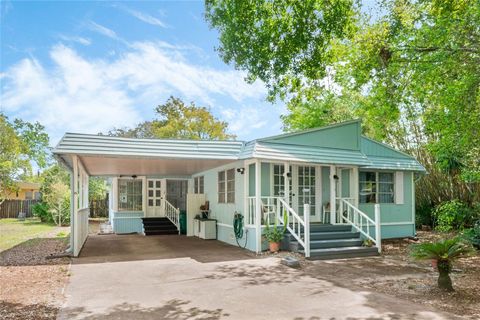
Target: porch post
{"x": 378, "y": 232}
{"x": 354, "y": 186}
{"x": 74, "y": 205}
{"x": 258, "y": 206}
{"x": 333, "y": 195}
{"x": 286, "y": 181}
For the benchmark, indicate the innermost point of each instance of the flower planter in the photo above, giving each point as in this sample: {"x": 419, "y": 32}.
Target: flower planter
{"x": 274, "y": 246}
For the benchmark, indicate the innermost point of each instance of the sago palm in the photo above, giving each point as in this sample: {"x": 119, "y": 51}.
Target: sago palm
{"x": 445, "y": 252}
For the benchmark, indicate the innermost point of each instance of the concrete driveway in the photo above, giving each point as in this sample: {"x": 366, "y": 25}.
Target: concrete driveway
{"x": 186, "y": 288}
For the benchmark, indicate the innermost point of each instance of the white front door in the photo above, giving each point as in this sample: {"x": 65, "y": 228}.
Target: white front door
{"x": 155, "y": 196}
{"x": 306, "y": 181}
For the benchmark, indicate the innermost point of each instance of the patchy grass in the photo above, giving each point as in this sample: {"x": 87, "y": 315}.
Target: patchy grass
{"x": 14, "y": 232}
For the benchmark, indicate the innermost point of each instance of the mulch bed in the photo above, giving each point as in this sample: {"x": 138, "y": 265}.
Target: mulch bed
{"x": 32, "y": 285}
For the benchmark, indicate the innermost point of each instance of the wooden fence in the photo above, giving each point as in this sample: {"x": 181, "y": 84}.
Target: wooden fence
{"x": 11, "y": 208}
{"x": 99, "y": 208}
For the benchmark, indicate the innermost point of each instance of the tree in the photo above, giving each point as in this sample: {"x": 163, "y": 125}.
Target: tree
{"x": 58, "y": 201}
{"x": 444, "y": 252}
{"x": 412, "y": 73}
{"x": 283, "y": 43}
{"x": 178, "y": 120}
{"x": 21, "y": 143}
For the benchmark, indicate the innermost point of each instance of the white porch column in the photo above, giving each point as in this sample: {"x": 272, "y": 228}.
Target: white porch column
{"x": 333, "y": 195}
{"x": 354, "y": 185}
{"x": 74, "y": 205}
{"x": 378, "y": 231}
{"x": 286, "y": 181}
{"x": 258, "y": 205}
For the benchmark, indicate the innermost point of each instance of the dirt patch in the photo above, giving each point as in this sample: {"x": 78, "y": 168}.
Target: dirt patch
{"x": 32, "y": 285}
{"x": 396, "y": 274}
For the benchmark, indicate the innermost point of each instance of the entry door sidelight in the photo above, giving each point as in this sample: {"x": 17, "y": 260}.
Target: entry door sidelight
{"x": 155, "y": 196}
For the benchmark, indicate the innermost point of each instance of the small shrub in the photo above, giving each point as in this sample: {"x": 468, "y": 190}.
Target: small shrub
{"x": 41, "y": 211}
{"x": 453, "y": 215}
{"x": 473, "y": 235}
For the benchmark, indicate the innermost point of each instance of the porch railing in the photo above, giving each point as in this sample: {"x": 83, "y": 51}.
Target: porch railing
{"x": 299, "y": 227}
{"x": 362, "y": 223}
{"x": 173, "y": 214}
{"x": 268, "y": 210}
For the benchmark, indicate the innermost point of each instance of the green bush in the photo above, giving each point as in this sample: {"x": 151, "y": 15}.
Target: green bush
{"x": 424, "y": 216}
{"x": 41, "y": 211}
{"x": 453, "y": 215}
{"x": 473, "y": 235}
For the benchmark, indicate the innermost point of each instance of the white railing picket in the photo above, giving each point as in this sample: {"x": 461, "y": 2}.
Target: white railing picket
{"x": 173, "y": 214}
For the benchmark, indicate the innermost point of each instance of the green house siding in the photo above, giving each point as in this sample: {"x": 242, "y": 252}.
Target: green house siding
{"x": 342, "y": 136}
{"x": 397, "y": 219}
{"x": 325, "y": 185}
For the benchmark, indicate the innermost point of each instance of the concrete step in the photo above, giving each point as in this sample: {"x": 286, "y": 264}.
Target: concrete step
{"x": 342, "y": 253}
{"x": 159, "y": 227}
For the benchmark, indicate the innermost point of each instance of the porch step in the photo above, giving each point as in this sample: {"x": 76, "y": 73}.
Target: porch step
{"x": 319, "y": 227}
{"x": 342, "y": 253}
{"x": 158, "y": 226}
{"x": 326, "y": 235}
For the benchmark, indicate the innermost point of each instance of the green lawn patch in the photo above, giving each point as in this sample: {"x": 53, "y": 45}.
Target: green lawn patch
{"x": 13, "y": 231}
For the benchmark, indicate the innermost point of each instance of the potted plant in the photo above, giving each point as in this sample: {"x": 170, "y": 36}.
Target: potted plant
{"x": 444, "y": 253}
{"x": 274, "y": 234}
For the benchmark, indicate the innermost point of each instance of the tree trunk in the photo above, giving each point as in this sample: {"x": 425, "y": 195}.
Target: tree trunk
{"x": 444, "y": 280}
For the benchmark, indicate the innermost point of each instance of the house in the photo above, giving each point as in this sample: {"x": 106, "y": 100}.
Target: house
{"x": 25, "y": 191}
{"x": 336, "y": 187}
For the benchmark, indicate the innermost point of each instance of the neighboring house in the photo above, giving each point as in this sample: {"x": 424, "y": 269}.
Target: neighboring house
{"x": 291, "y": 173}
{"x": 25, "y": 191}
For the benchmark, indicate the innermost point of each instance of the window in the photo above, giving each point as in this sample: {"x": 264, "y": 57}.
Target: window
{"x": 198, "y": 185}
{"x": 129, "y": 195}
{"x": 28, "y": 195}
{"x": 376, "y": 187}
{"x": 226, "y": 186}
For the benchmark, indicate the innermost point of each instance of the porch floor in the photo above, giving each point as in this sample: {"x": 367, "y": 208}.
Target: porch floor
{"x": 116, "y": 248}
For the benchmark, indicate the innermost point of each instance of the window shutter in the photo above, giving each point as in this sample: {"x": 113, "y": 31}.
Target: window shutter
{"x": 399, "y": 187}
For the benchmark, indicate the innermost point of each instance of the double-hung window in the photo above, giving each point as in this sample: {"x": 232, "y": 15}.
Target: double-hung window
{"x": 226, "y": 186}
{"x": 376, "y": 187}
{"x": 198, "y": 184}
{"x": 130, "y": 195}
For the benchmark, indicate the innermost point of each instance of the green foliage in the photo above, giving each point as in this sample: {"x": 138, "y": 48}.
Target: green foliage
{"x": 179, "y": 120}
{"x": 275, "y": 233}
{"x": 58, "y": 201}
{"x": 282, "y": 43}
{"x": 410, "y": 71}
{"x": 445, "y": 252}
{"x": 42, "y": 211}
{"x": 97, "y": 188}
{"x": 473, "y": 235}
{"x": 21, "y": 143}
{"x": 453, "y": 215}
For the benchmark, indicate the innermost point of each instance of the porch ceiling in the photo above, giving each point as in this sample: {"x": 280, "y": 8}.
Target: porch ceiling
{"x": 114, "y": 166}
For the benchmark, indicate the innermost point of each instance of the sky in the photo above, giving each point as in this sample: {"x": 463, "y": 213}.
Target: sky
{"x": 91, "y": 66}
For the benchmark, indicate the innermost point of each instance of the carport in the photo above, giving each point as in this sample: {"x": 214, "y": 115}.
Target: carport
{"x": 86, "y": 155}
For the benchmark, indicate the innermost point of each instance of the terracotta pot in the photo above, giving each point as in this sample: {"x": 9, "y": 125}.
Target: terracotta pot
{"x": 434, "y": 264}
{"x": 274, "y": 246}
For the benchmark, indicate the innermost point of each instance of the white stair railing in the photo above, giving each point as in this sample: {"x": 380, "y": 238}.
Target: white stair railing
{"x": 173, "y": 214}
{"x": 362, "y": 223}
{"x": 299, "y": 227}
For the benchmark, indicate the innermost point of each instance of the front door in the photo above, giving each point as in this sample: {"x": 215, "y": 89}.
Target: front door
{"x": 155, "y": 196}
{"x": 177, "y": 193}
{"x": 306, "y": 190}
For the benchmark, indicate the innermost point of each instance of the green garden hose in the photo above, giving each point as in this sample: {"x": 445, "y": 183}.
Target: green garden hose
{"x": 238, "y": 229}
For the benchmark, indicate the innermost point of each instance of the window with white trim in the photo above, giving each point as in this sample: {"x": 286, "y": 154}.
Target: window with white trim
{"x": 198, "y": 184}
{"x": 376, "y": 187}
{"x": 226, "y": 186}
{"x": 130, "y": 195}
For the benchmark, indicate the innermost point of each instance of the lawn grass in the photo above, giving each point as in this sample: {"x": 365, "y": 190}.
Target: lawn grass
{"x": 13, "y": 231}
